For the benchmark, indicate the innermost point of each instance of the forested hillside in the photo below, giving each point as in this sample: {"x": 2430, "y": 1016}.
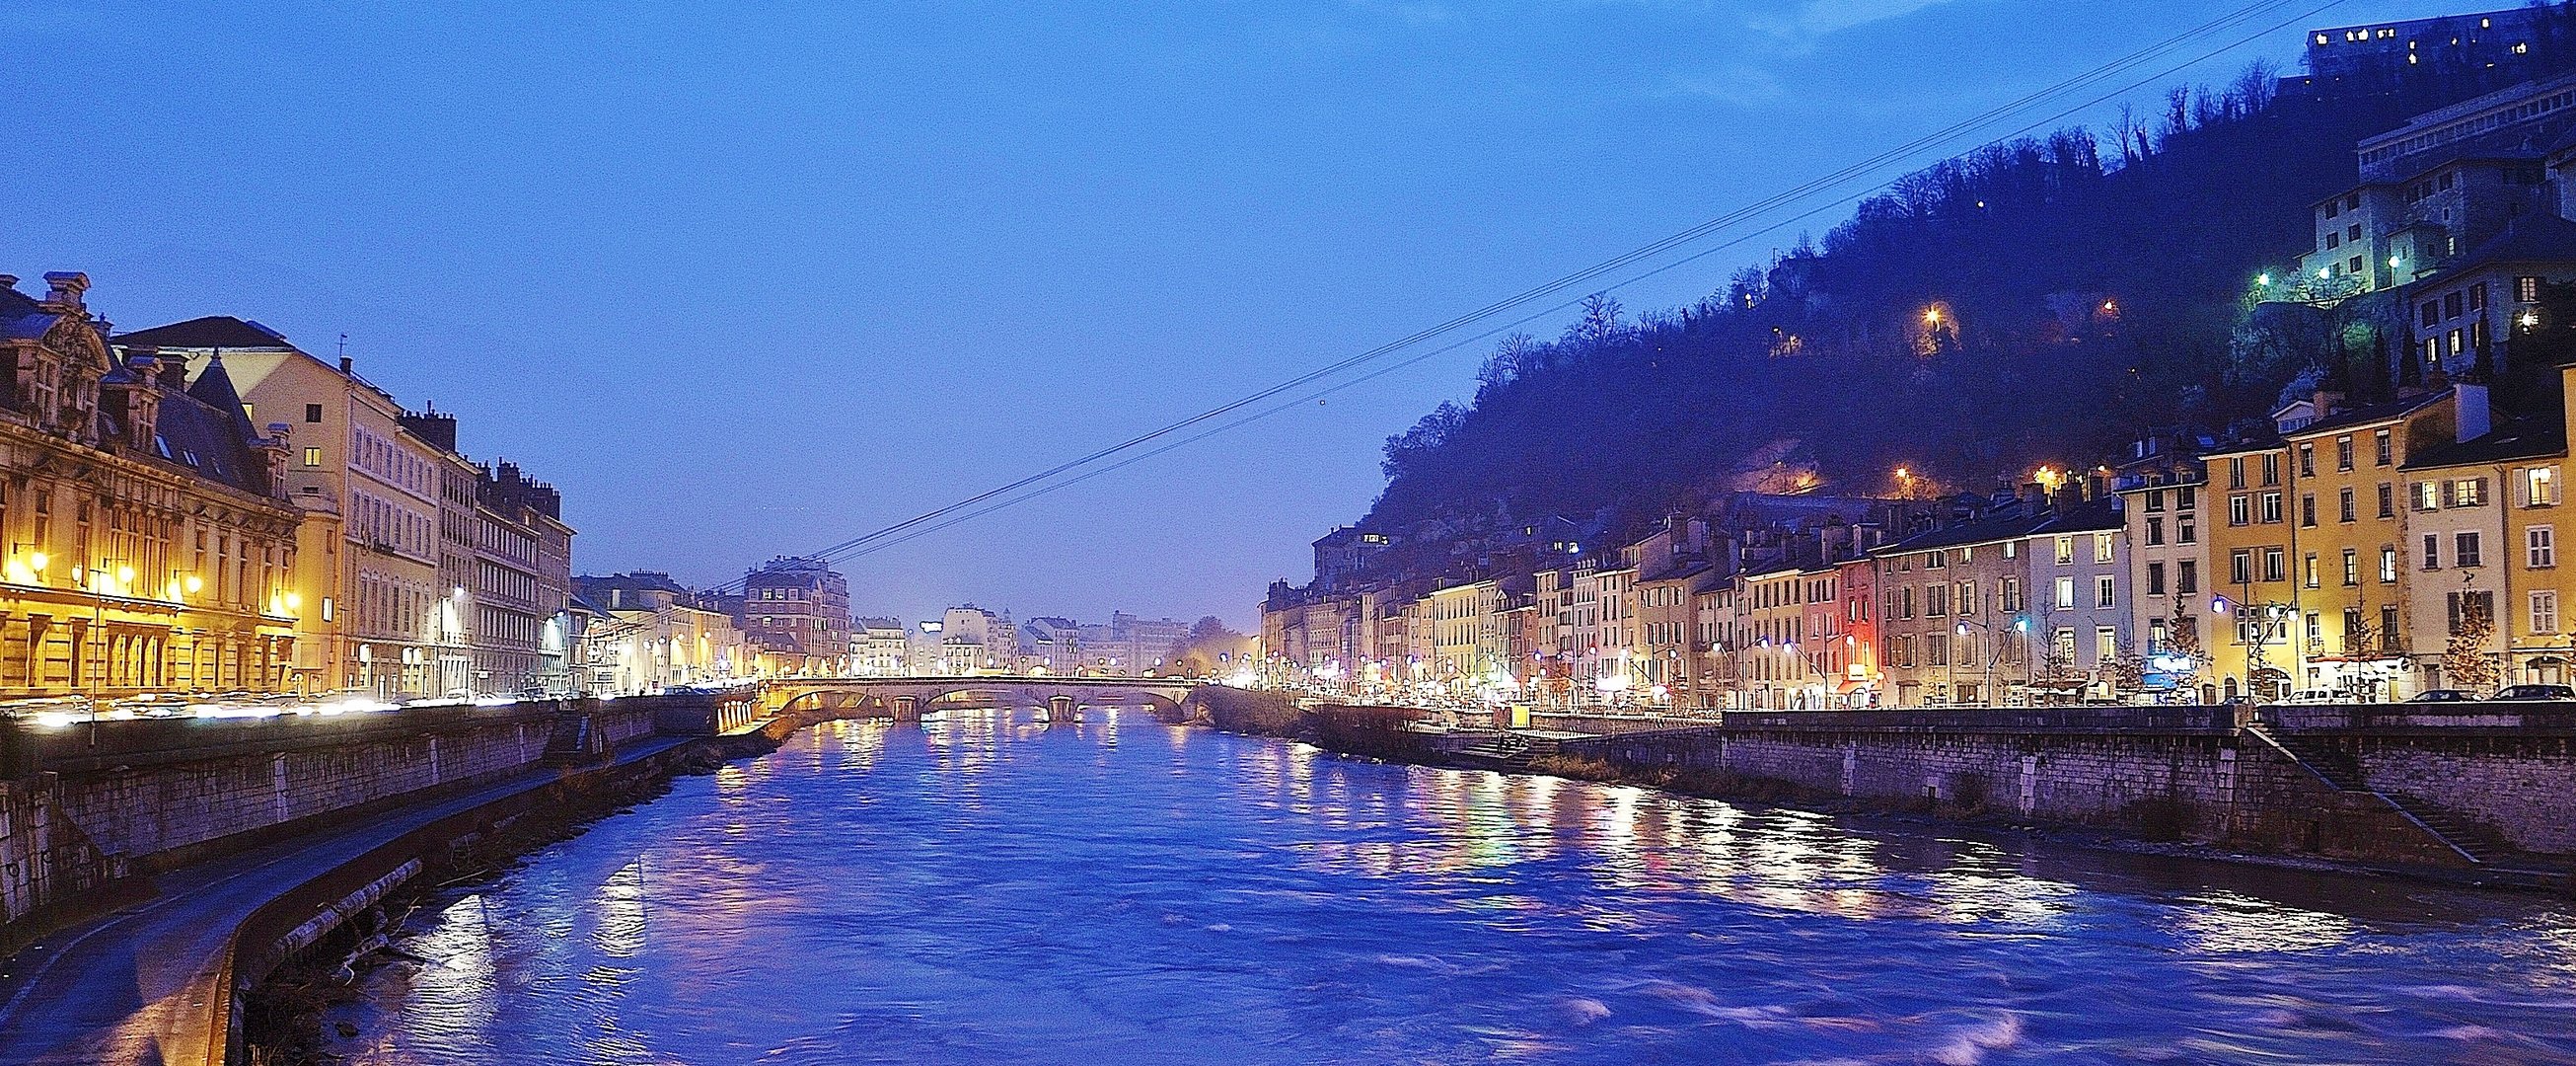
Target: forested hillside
{"x": 2039, "y": 301}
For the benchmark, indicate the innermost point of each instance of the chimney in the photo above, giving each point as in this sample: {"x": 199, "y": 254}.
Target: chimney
{"x": 8, "y": 281}
{"x": 2469, "y": 407}
{"x": 345, "y": 364}
{"x": 173, "y": 372}
{"x": 63, "y": 290}
{"x": 2328, "y": 403}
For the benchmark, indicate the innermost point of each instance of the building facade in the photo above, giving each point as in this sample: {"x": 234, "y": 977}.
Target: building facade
{"x": 351, "y": 456}
{"x": 149, "y": 547}
{"x": 796, "y": 611}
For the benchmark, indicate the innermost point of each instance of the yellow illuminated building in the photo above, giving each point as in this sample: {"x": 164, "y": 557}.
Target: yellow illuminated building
{"x": 2309, "y": 546}
{"x": 147, "y": 549}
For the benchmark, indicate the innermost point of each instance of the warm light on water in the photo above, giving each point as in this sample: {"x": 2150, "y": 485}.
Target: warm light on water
{"x": 985, "y": 889}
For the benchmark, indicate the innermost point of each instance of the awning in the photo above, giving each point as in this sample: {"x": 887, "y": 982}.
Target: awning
{"x": 1851, "y": 685}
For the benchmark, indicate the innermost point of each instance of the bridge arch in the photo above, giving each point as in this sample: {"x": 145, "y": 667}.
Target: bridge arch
{"x": 905, "y": 699}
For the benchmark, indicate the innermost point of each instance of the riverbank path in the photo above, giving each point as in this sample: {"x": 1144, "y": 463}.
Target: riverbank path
{"x": 134, "y": 987}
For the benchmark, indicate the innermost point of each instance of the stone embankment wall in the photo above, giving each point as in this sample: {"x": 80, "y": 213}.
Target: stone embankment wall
{"x": 2379, "y": 785}
{"x": 2147, "y": 779}
{"x": 85, "y": 805}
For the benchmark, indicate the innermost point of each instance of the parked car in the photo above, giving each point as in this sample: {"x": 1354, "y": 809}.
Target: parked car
{"x": 2536, "y": 692}
{"x": 2310, "y": 696}
{"x": 2444, "y": 695}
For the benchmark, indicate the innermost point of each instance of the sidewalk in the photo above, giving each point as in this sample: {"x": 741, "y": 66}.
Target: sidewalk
{"x": 136, "y": 986}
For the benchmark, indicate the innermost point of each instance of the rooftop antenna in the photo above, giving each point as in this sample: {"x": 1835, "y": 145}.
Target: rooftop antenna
{"x": 344, "y": 346}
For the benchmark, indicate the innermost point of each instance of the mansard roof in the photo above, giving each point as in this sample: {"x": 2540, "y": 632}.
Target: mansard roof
{"x": 212, "y": 331}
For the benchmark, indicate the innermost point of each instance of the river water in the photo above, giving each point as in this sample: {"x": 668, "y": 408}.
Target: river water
{"x": 985, "y": 889}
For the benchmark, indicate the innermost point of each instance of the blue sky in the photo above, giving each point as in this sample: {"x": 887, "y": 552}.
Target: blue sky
{"x": 750, "y": 280}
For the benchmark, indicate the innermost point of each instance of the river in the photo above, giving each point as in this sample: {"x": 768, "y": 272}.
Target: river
{"x": 987, "y": 889}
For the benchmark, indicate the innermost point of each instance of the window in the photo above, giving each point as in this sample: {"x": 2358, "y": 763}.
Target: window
{"x": 2387, "y": 564}
{"x": 312, "y": 457}
{"x": 2275, "y": 564}
{"x": 2344, "y": 507}
{"x": 2106, "y": 644}
{"x": 2464, "y": 549}
{"x": 2189, "y": 531}
{"x": 2465, "y": 607}
{"x": 2236, "y": 472}
{"x": 1967, "y": 598}
{"x": 2102, "y": 590}
{"x": 2271, "y": 468}
{"x": 2155, "y": 500}
{"x": 2101, "y": 547}
{"x": 2388, "y": 631}
{"x": 2187, "y": 577}
{"x": 2271, "y": 508}
{"x": 2155, "y": 531}
{"x": 2065, "y": 551}
{"x": 2307, "y": 460}
{"x": 2011, "y": 594}
{"x": 2428, "y": 495}
{"x": 2343, "y": 453}
{"x": 2387, "y": 500}
{"x": 2316, "y": 628}
{"x": 2240, "y": 566}
{"x": 2308, "y": 570}
{"x": 2432, "y": 551}
{"x": 2240, "y": 509}
{"x": 2526, "y": 289}
{"x": 2540, "y": 544}
{"x": 2155, "y": 579}
{"x": 2384, "y": 448}
{"x": 2538, "y": 486}
{"x": 2307, "y": 510}
{"x": 2186, "y": 497}
{"x": 2065, "y": 593}
{"x": 2544, "y": 612}
{"x": 2468, "y": 492}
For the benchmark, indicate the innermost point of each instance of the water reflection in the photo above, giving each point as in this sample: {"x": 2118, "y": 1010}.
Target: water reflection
{"x": 983, "y": 887}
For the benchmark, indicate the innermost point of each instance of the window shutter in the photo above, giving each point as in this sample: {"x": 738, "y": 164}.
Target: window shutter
{"x": 2522, "y": 490}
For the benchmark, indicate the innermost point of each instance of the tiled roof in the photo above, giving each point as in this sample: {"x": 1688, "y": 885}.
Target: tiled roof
{"x": 2011, "y": 526}
{"x": 212, "y": 331}
{"x": 2538, "y": 237}
{"x": 2529, "y": 438}
{"x": 21, "y": 318}
{"x": 2369, "y": 413}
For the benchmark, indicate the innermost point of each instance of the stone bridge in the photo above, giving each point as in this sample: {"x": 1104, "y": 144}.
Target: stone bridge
{"x": 908, "y": 698}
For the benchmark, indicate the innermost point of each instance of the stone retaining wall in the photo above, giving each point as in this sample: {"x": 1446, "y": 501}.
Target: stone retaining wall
{"x": 92, "y": 804}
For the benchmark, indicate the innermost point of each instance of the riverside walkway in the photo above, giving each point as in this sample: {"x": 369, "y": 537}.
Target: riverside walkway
{"x": 140, "y": 986}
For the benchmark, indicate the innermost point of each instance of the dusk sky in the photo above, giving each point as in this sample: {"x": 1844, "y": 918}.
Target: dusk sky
{"x": 753, "y": 281}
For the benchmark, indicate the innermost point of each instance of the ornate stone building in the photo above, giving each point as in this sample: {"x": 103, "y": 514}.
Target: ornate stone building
{"x": 148, "y": 547}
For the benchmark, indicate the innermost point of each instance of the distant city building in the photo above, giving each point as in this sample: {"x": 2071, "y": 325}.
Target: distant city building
{"x": 657, "y": 634}
{"x": 797, "y": 612}
{"x": 522, "y": 583}
{"x": 2385, "y": 52}
{"x": 879, "y": 647}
